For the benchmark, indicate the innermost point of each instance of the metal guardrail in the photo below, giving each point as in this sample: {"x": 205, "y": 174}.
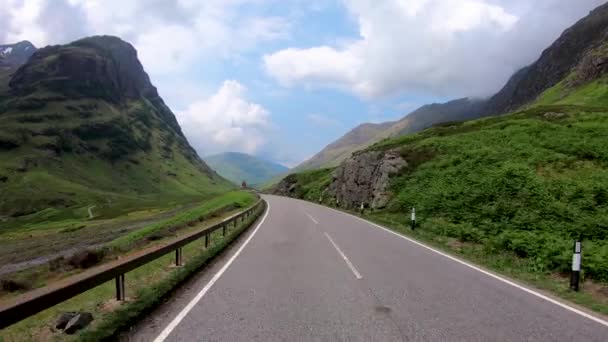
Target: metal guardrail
{"x": 32, "y": 302}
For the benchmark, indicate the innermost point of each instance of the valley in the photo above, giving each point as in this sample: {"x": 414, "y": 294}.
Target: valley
{"x": 124, "y": 219}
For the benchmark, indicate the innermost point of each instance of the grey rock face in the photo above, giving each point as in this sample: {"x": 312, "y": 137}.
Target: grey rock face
{"x": 365, "y": 179}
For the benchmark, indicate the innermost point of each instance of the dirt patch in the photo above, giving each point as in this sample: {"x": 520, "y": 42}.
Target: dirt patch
{"x": 111, "y": 305}
{"x": 86, "y": 258}
{"x": 9, "y": 285}
{"x": 598, "y": 291}
{"x": 455, "y": 244}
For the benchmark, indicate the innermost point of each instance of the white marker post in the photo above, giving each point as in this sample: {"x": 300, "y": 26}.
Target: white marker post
{"x": 413, "y": 218}
{"x": 362, "y": 208}
{"x": 576, "y": 266}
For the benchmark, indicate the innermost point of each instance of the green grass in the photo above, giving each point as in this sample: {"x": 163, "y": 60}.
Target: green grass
{"x": 595, "y": 92}
{"x": 230, "y": 201}
{"x": 146, "y": 288}
{"x": 111, "y": 236}
{"x": 75, "y": 153}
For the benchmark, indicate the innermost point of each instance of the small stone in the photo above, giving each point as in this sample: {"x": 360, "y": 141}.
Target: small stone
{"x": 78, "y": 322}
{"x": 63, "y": 320}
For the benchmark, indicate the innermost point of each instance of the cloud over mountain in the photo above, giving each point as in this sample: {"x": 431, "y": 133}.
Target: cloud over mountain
{"x": 442, "y": 47}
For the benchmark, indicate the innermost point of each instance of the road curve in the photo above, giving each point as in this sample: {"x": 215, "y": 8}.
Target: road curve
{"x": 309, "y": 273}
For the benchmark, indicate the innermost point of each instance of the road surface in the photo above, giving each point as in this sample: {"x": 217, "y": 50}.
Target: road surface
{"x": 309, "y": 273}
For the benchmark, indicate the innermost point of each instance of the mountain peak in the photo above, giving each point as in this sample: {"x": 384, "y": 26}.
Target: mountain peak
{"x": 14, "y": 55}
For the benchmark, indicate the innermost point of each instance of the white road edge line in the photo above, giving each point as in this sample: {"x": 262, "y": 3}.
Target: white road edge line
{"x": 312, "y": 218}
{"x": 350, "y": 265}
{"x": 165, "y": 333}
{"x": 497, "y": 277}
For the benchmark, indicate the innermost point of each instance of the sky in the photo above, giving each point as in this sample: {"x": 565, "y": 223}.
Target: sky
{"x": 281, "y": 79}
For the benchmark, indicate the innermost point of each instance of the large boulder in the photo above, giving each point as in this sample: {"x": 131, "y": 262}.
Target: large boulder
{"x": 364, "y": 178}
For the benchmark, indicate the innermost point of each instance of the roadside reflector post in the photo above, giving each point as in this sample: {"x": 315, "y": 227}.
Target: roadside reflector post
{"x": 576, "y": 266}
{"x": 413, "y": 218}
{"x": 206, "y": 240}
{"x": 178, "y": 257}
{"x": 362, "y": 207}
{"x": 224, "y": 230}
{"x": 120, "y": 288}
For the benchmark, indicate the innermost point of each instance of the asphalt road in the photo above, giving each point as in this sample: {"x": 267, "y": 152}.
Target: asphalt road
{"x": 309, "y": 273}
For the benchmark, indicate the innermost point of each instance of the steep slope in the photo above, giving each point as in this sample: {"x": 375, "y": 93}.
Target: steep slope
{"x": 82, "y": 124}
{"x": 554, "y": 64}
{"x": 524, "y": 87}
{"x": 238, "y": 167}
{"x": 334, "y": 153}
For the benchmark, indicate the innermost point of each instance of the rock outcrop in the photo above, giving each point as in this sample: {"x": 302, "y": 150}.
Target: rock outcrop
{"x": 364, "y": 179}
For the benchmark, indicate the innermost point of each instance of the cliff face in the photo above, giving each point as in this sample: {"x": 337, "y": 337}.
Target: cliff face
{"x": 364, "y": 178}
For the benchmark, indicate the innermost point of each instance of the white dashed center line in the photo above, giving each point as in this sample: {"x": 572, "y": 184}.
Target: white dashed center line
{"x": 350, "y": 264}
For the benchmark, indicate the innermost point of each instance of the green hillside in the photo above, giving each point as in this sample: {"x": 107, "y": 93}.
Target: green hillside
{"x": 73, "y": 136}
{"x": 525, "y": 184}
{"x": 237, "y": 167}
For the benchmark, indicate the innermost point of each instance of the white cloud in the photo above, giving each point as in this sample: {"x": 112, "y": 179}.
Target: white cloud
{"x": 170, "y": 36}
{"x": 225, "y": 121}
{"x": 322, "y": 120}
{"x": 437, "y": 47}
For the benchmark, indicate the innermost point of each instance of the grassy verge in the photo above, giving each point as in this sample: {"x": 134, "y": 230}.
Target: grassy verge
{"x": 146, "y": 287}
{"x": 202, "y": 215}
{"x": 227, "y": 202}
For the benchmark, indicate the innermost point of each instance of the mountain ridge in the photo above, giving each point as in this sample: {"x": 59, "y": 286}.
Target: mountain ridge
{"x": 82, "y": 123}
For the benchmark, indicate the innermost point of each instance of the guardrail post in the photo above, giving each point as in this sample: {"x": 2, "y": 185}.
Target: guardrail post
{"x": 224, "y": 230}
{"x": 120, "y": 288}
{"x": 178, "y": 257}
{"x": 206, "y": 240}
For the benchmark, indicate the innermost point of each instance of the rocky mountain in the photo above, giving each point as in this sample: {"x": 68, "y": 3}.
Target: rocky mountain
{"x": 555, "y": 63}
{"x": 16, "y": 54}
{"x": 81, "y": 124}
{"x": 238, "y": 167}
{"x": 11, "y": 57}
{"x": 571, "y": 49}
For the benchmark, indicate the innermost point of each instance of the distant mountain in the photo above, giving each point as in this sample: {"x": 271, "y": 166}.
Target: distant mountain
{"x": 82, "y": 124}
{"x": 334, "y": 153}
{"x": 12, "y": 56}
{"x": 16, "y": 54}
{"x": 238, "y": 167}
{"x": 556, "y": 63}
